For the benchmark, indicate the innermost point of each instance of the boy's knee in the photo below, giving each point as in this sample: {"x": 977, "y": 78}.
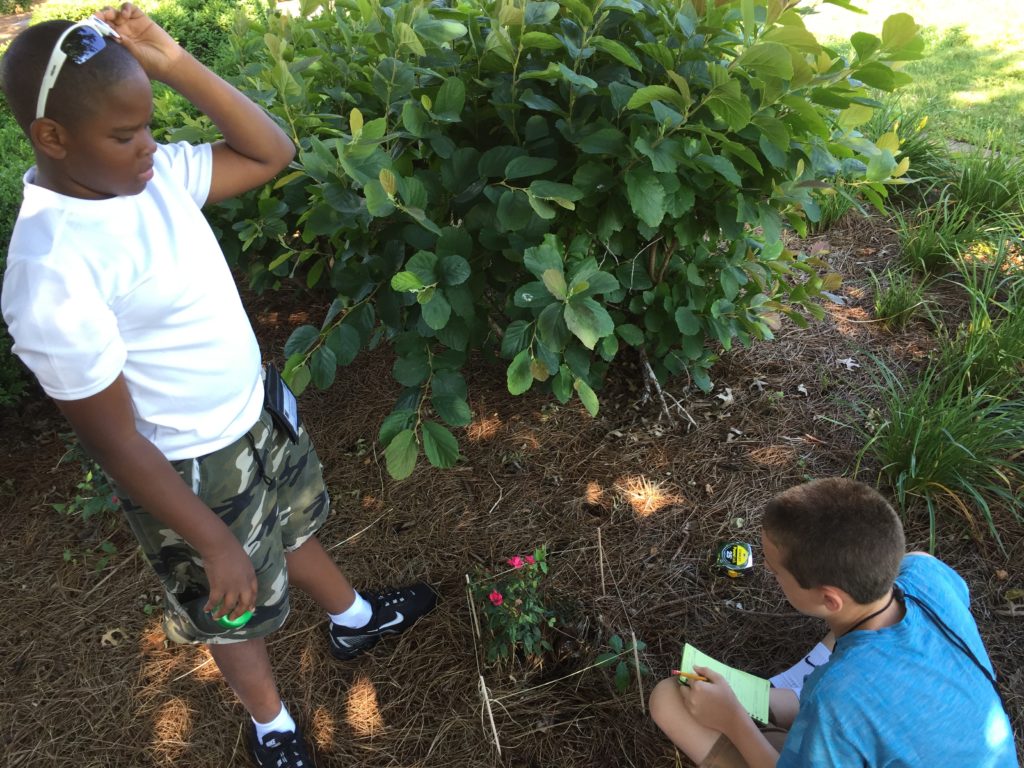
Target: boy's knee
{"x": 665, "y": 702}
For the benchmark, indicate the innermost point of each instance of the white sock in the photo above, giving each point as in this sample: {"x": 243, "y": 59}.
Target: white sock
{"x": 793, "y": 678}
{"x": 283, "y": 723}
{"x": 356, "y": 616}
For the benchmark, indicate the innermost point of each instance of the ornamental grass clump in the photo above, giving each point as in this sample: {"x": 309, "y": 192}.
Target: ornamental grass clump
{"x": 515, "y": 617}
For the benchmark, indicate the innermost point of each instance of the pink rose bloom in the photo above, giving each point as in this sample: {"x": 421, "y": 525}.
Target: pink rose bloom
{"x": 496, "y": 598}
{"x": 530, "y": 559}
{"x": 516, "y": 562}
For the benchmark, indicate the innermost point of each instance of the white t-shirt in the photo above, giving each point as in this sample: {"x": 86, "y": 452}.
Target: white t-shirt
{"x": 136, "y": 285}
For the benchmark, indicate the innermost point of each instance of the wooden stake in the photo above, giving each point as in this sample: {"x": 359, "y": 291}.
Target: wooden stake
{"x": 490, "y": 714}
{"x": 639, "y": 676}
{"x": 472, "y": 609}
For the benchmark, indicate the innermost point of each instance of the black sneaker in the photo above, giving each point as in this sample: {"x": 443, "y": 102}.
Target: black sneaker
{"x": 280, "y": 750}
{"x": 394, "y": 611}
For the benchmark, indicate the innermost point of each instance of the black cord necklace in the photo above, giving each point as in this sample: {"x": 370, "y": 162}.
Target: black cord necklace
{"x": 870, "y": 616}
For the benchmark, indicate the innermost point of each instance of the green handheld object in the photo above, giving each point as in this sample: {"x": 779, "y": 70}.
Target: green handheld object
{"x": 230, "y": 623}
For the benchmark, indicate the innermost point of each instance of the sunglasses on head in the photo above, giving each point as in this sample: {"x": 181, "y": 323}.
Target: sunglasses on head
{"x": 79, "y": 43}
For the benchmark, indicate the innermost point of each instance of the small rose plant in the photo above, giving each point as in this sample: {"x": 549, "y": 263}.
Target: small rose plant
{"x": 514, "y": 614}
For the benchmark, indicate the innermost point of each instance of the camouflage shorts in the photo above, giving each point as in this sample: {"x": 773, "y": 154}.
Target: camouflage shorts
{"x": 270, "y": 492}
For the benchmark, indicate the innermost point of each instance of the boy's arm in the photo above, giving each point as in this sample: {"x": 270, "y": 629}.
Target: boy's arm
{"x": 105, "y": 424}
{"x": 254, "y": 148}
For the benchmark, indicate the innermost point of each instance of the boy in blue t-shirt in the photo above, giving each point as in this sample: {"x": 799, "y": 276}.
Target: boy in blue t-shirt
{"x": 118, "y": 298}
{"x": 908, "y": 682}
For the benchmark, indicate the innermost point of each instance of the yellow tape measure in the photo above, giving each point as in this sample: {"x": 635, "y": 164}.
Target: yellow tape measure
{"x": 735, "y": 558}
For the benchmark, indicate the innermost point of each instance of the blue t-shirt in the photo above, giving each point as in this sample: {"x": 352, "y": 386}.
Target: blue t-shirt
{"x": 904, "y": 695}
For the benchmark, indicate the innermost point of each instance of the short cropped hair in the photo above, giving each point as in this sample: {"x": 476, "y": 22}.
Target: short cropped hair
{"x": 838, "y": 533}
{"x": 74, "y": 94}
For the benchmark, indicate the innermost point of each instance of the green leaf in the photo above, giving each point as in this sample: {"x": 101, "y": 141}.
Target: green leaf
{"x": 516, "y": 338}
{"x": 646, "y": 196}
{"x": 604, "y": 141}
{"x": 768, "y": 59}
{"x": 687, "y": 321}
{"x": 401, "y": 454}
{"x": 587, "y": 396}
{"x": 898, "y": 30}
{"x": 410, "y": 371}
{"x": 617, "y": 51}
{"x": 543, "y": 257}
{"x": 730, "y": 105}
{"x": 541, "y": 40}
{"x": 581, "y": 82}
{"x": 644, "y": 96}
{"x": 393, "y": 424}
{"x": 881, "y": 166}
{"x": 588, "y": 321}
{"x": 407, "y": 38}
{"x": 554, "y": 281}
{"x": 494, "y": 161}
{"x": 539, "y": 13}
{"x": 533, "y": 294}
{"x": 449, "y": 383}
{"x": 377, "y": 201}
{"x": 631, "y": 334}
{"x": 299, "y": 379}
{"x": 406, "y": 281}
{"x": 864, "y": 44}
{"x": 437, "y": 311}
{"x": 323, "y": 367}
{"x": 301, "y": 339}
{"x": 440, "y": 445}
{"x": 722, "y": 166}
{"x": 450, "y": 99}
{"x": 793, "y": 36}
{"x": 554, "y": 333}
{"x": 519, "y": 377}
{"x": 344, "y": 342}
{"x": 662, "y": 154}
{"x": 452, "y": 409}
{"x": 521, "y": 167}
{"x": 561, "y": 385}
{"x": 437, "y": 31}
{"x": 453, "y": 270}
{"x": 423, "y": 265}
{"x": 514, "y": 211}
{"x": 598, "y": 283}
{"x": 877, "y": 75}
{"x": 660, "y": 53}
{"x": 622, "y": 677}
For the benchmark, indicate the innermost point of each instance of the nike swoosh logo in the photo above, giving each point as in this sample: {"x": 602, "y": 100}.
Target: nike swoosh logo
{"x": 399, "y": 618}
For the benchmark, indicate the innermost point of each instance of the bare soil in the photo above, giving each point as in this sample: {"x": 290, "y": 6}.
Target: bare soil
{"x": 87, "y": 679}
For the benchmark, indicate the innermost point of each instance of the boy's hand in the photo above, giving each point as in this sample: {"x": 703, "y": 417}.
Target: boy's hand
{"x": 232, "y": 580}
{"x": 146, "y": 40}
{"x": 712, "y": 704}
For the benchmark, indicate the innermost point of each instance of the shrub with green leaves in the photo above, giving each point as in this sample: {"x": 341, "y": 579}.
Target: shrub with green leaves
{"x": 202, "y": 27}
{"x": 17, "y": 158}
{"x": 558, "y": 181}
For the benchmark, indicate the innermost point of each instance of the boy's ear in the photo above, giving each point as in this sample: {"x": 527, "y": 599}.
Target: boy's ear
{"x": 833, "y": 598}
{"x": 48, "y": 137}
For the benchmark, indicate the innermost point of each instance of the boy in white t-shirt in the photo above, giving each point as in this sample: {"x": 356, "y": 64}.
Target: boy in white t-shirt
{"x": 119, "y": 300}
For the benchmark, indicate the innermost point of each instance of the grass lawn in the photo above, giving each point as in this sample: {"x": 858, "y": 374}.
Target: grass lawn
{"x": 972, "y": 79}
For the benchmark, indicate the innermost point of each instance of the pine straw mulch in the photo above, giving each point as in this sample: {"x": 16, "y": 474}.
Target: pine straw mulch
{"x": 87, "y": 681}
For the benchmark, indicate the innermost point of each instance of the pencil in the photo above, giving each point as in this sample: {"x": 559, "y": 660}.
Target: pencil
{"x": 690, "y": 676}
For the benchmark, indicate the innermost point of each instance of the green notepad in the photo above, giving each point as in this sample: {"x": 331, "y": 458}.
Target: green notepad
{"x": 751, "y": 690}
